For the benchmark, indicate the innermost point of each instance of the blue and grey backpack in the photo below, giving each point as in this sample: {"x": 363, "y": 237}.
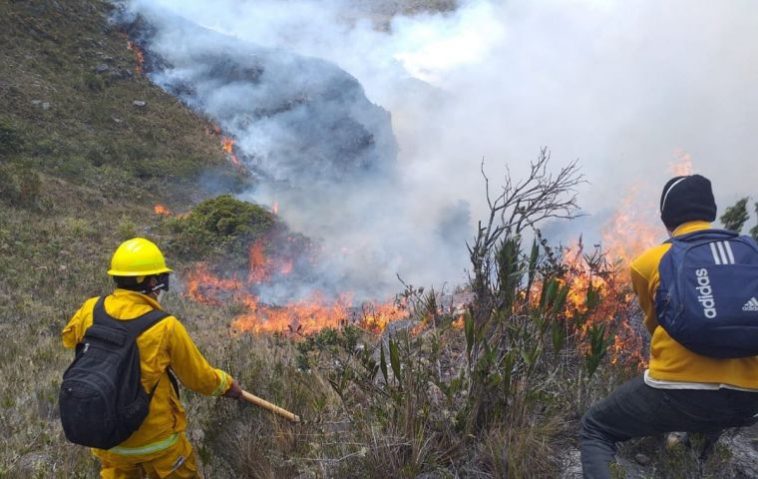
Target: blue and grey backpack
{"x": 708, "y": 294}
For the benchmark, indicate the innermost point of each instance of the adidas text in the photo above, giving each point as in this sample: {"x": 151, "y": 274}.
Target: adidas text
{"x": 751, "y": 305}
{"x": 705, "y": 292}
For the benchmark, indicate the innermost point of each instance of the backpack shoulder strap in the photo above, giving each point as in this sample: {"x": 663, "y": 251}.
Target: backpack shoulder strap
{"x": 134, "y": 327}
{"x": 749, "y": 241}
{"x": 99, "y": 316}
{"x": 137, "y": 326}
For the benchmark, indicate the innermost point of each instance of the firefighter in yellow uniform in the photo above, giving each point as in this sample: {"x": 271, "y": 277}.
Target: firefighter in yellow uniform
{"x": 159, "y": 448}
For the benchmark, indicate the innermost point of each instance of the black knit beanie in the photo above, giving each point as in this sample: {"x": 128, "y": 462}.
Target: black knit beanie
{"x": 687, "y": 198}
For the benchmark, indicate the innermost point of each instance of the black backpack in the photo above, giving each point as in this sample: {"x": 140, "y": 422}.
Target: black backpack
{"x": 101, "y": 399}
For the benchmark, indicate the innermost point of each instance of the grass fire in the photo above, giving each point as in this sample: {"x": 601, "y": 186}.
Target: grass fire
{"x": 369, "y": 264}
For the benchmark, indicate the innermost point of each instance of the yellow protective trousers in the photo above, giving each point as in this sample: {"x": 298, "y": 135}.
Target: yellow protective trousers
{"x": 175, "y": 462}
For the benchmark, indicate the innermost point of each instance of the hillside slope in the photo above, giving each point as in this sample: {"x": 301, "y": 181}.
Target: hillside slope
{"x": 81, "y": 166}
{"x": 76, "y": 106}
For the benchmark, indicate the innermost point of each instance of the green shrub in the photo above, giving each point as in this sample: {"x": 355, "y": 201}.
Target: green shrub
{"x": 93, "y": 82}
{"x": 72, "y": 168}
{"x": 79, "y": 227}
{"x": 10, "y": 141}
{"x": 735, "y": 217}
{"x": 20, "y": 186}
{"x": 221, "y": 224}
{"x": 127, "y": 228}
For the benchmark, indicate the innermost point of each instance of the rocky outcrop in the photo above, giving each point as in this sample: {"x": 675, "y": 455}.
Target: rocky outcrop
{"x": 294, "y": 119}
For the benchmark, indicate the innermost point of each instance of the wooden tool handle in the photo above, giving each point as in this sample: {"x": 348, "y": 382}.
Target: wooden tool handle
{"x": 253, "y": 399}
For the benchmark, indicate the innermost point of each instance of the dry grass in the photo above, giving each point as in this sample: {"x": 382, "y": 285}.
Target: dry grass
{"x": 75, "y": 182}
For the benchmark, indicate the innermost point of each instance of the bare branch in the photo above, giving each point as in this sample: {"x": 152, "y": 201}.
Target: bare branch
{"x": 521, "y": 205}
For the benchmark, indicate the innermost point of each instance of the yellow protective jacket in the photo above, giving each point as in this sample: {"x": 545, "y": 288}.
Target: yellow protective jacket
{"x": 163, "y": 345}
{"x": 669, "y": 360}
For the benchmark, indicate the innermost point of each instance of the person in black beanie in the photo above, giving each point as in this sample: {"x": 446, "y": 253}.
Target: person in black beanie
{"x": 687, "y": 198}
{"x": 680, "y": 390}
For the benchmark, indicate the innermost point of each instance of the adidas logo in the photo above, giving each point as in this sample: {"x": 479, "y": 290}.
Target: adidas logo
{"x": 751, "y": 305}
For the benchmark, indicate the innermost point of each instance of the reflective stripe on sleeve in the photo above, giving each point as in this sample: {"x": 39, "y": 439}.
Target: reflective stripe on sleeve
{"x": 147, "y": 449}
{"x": 223, "y": 385}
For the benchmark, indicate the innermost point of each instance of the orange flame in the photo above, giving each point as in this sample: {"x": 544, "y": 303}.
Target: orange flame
{"x": 227, "y": 144}
{"x": 683, "y": 164}
{"x": 300, "y": 317}
{"x": 139, "y": 57}
{"x": 627, "y": 235}
{"x": 615, "y": 308}
{"x": 631, "y": 230}
{"x": 161, "y": 210}
{"x": 204, "y": 287}
{"x": 259, "y": 264}
{"x": 376, "y": 317}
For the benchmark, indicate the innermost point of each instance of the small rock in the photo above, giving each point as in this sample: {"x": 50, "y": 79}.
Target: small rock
{"x": 571, "y": 464}
{"x": 197, "y": 435}
{"x": 121, "y": 74}
{"x": 116, "y": 120}
{"x": 642, "y": 459}
{"x": 102, "y": 68}
{"x": 674, "y": 439}
{"x": 139, "y": 103}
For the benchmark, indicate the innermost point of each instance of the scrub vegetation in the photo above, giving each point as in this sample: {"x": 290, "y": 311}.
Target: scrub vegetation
{"x": 493, "y": 390}
{"x": 220, "y": 226}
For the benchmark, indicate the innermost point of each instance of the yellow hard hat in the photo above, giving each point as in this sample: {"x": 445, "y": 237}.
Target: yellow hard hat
{"x": 137, "y": 257}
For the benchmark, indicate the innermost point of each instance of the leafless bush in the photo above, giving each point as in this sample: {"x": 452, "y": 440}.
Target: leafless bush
{"x": 519, "y": 206}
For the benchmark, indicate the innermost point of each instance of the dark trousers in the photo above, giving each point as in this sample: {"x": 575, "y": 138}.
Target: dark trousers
{"x": 636, "y": 410}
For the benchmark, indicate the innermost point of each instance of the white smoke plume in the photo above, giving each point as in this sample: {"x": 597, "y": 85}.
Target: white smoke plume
{"x": 623, "y": 86}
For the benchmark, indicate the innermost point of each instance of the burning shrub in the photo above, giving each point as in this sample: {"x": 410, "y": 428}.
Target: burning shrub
{"x": 219, "y": 225}
{"x": 489, "y": 390}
